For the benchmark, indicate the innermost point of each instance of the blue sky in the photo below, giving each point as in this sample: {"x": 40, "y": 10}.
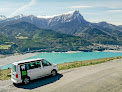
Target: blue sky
{"x": 92, "y": 10}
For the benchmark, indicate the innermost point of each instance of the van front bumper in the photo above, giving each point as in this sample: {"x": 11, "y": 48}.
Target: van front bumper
{"x": 16, "y": 81}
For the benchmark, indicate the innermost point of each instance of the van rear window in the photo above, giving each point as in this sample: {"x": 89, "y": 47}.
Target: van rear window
{"x": 14, "y": 68}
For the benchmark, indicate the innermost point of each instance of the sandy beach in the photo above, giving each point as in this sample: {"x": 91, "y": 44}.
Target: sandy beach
{"x": 67, "y": 52}
{"x": 15, "y": 58}
{"x": 113, "y": 51}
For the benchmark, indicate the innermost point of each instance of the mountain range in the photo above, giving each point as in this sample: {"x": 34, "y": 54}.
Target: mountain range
{"x": 73, "y": 24}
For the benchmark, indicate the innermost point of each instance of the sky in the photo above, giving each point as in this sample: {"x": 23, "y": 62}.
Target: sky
{"x": 92, "y": 10}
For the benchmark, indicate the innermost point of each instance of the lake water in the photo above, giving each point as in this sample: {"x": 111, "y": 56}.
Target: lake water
{"x": 59, "y": 58}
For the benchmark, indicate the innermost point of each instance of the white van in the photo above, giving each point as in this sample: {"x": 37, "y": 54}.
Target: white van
{"x": 26, "y": 70}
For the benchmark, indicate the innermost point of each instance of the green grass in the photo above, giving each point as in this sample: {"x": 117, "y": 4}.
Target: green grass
{"x": 21, "y": 37}
{"x": 5, "y": 46}
{"x": 85, "y": 63}
{"x": 9, "y": 42}
{"x": 5, "y": 74}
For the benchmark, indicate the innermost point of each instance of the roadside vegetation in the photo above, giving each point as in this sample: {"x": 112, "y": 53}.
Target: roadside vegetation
{"x": 6, "y": 74}
{"x": 76, "y": 64}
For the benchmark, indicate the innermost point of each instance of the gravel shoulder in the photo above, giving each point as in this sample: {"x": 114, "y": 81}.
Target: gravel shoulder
{"x": 104, "y": 77}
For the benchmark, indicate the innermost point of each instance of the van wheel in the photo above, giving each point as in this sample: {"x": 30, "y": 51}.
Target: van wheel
{"x": 26, "y": 80}
{"x": 54, "y": 73}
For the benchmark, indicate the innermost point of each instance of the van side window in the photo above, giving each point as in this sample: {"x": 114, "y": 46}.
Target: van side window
{"x": 33, "y": 65}
{"x": 45, "y": 63}
{"x": 14, "y": 68}
{"x": 37, "y": 64}
{"x": 27, "y": 66}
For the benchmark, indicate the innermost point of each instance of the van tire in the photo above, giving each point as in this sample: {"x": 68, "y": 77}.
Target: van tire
{"x": 53, "y": 73}
{"x": 26, "y": 80}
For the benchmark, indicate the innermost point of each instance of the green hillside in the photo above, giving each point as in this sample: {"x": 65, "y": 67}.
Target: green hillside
{"x": 26, "y": 37}
{"x": 95, "y": 35}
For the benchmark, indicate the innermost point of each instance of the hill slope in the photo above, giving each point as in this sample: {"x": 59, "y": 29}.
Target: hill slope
{"x": 27, "y": 37}
{"x": 95, "y": 35}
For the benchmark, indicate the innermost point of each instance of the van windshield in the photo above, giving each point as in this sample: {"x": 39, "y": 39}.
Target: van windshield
{"x": 14, "y": 68}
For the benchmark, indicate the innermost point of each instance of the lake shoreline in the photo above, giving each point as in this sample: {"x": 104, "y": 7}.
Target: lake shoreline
{"x": 4, "y": 56}
{"x": 8, "y": 59}
{"x": 112, "y": 51}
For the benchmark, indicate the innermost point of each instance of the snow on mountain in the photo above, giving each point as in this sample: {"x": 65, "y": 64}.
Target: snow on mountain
{"x": 45, "y": 17}
{"x": 15, "y": 17}
{"x": 62, "y": 18}
{"x": 69, "y": 23}
{"x": 18, "y": 16}
{"x": 69, "y": 13}
{"x": 72, "y": 21}
{"x": 66, "y": 17}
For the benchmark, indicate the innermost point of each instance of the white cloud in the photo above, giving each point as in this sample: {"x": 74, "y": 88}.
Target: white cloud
{"x": 114, "y": 11}
{"x": 23, "y": 8}
{"x": 78, "y": 7}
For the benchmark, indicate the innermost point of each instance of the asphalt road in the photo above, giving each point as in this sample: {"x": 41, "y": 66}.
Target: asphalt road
{"x": 105, "y": 77}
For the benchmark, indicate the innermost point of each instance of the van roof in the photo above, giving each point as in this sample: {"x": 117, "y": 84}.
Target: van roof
{"x": 27, "y": 61}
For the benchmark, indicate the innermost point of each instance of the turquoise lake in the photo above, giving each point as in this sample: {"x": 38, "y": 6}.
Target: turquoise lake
{"x": 59, "y": 58}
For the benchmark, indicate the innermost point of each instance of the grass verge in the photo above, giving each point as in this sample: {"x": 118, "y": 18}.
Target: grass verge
{"x": 5, "y": 74}
{"x": 76, "y": 64}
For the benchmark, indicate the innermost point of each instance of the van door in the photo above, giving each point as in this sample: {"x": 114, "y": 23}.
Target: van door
{"x": 23, "y": 71}
{"x": 34, "y": 70}
{"x": 47, "y": 67}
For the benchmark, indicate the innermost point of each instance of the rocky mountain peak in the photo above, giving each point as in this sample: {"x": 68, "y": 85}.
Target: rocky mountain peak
{"x": 76, "y": 12}
{"x": 103, "y": 23}
{"x": 2, "y": 17}
{"x": 19, "y": 16}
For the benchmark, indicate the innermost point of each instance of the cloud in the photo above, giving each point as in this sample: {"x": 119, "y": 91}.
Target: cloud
{"x": 114, "y": 11}
{"x": 23, "y": 8}
{"x": 78, "y": 7}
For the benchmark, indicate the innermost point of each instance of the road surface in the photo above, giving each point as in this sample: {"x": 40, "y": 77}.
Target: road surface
{"x": 105, "y": 77}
